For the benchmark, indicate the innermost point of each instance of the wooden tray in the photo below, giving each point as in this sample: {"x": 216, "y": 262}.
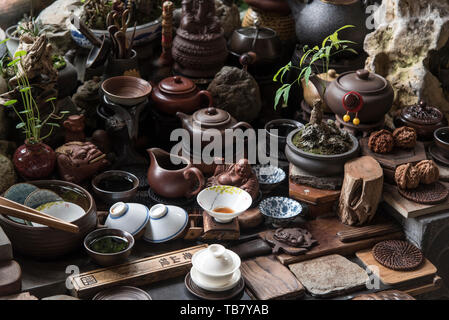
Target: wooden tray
{"x": 407, "y": 208}
{"x": 392, "y": 277}
{"x": 325, "y": 231}
{"x": 267, "y": 279}
{"x": 135, "y": 273}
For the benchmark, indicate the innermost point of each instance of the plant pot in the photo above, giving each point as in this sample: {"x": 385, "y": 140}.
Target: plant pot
{"x": 316, "y": 164}
{"x": 13, "y": 43}
{"x": 145, "y": 33}
{"x": 118, "y": 67}
{"x": 34, "y": 160}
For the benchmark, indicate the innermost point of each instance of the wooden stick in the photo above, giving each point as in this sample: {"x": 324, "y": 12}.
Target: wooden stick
{"x": 39, "y": 218}
{"x": 9, "y": 203}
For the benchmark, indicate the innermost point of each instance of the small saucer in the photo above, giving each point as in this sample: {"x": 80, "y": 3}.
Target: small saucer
{"x": 210, "y": 295}
{"x": 179, "y": 202}
{"x": 436, "y": 154}
{"x": 234, "y": 281}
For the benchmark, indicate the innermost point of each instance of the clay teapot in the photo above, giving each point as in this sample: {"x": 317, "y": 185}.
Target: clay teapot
{"x": 312, "y": 92}
{"x": 173, "y": 180}
{"x": 178, "y": 93}
{"x": 362, "y": 94}
{"x": 210, "y": 118}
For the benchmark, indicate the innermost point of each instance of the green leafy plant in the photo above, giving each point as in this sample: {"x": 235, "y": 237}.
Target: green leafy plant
{"x": 330, "y": 47}
{"x": 31, "y": 27}
{"x": 58, "y": 62}
{"x": 30, "y": 118}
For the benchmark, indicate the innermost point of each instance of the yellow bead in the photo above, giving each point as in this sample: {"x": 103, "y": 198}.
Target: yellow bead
{"x": 356, "y": 121}
{"x": 346, "y": 118}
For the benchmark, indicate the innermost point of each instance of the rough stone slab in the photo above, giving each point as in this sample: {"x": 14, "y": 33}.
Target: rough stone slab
{"x": 5, "y": 247}
{"x": 299, "y": 176}
{"x": 329, "y": 275}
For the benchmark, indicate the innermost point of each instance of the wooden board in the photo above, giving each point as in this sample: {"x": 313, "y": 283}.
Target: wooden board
{"x": 325, "y": 231}
{"x": 392, "y": 277}
{"x": 220, "y": 231}
{"x": 407, "y": 208}
{"x": 367, "y": 232}
{"x": 397, "y": 156}
{"x": 267, "y": 279}
{"x": 5, "y": 247}
{"x": 136, "y": 273}
{"x": 10, "y": 278}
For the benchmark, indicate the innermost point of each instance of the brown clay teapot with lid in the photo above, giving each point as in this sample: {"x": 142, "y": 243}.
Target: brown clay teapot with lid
{"x": 422, "y": 117}
{"x": 179, "y": 93}
{"x": 362, "y": 94}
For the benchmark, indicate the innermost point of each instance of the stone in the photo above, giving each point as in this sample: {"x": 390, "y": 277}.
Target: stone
{"x": 5, "y": 247}
{"x": 7, "y": 173}
{"x": 299, "y": 176}
{"x": 60, "y": 297}
{"x": 237, "y": 92}
{"x": 330, "y": 275}
{"x": 56, "y": 18}
{"x": 229, "y": 16}
{"x": 7, "y": 148}
{"x": 407, "y": 35}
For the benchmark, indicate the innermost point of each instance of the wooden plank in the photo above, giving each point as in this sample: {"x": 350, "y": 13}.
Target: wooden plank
{"x": 407, "y": 208}
{"x": 435, "y": 285}
{"x": 392, "y": 277}
{"x": 136, "y": 273}
{"x": 268, "y": 279}
{"x": 312, "y": 195}
{"x": 367, "y": 232}
{"x": 325, "y": 231}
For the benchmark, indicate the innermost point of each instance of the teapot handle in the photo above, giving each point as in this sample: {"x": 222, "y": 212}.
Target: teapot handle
{"x": 241, "y": 124}
{"x": 199, "y": 176}
{"x": 208, "y": 96}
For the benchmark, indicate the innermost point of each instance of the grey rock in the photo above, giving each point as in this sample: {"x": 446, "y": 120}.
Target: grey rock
{"x": 236, "y": 91}
{"x": 60, "y": 297}
{"x": 330, "y": 275}
{"x": 7, "y": 173}
{"x": 7, "y": 148}
{"x": 5, "y": 247}
{"x": 399, "y": 49}
{"x": 229, "y": 17}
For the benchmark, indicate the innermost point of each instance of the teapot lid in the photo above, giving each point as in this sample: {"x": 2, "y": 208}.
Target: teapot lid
{"x": 212, "y": 116}
{"x": 216, "y": 260}
{"x": 177, "y": 85}
{"x": 422, "y": 113}
{"x": 362, "y": 81}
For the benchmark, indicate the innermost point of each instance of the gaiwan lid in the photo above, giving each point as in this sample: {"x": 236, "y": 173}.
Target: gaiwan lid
{"x": 362, "y": 81}
{"x": 130, "y": 217}
{"x": 166, "y": 223}
{"x": 422, "y": 113}
{"x": 177, "y": 85}
{"x": 216, "y": 260}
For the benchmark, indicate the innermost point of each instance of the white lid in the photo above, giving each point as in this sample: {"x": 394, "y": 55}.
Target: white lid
{"x": 158, "y": 211}
{"x": 166, "y": 223}
{"x": 118, "y": 209}
{"x": 216, "y": 260}
{"x": 130, "y": 217}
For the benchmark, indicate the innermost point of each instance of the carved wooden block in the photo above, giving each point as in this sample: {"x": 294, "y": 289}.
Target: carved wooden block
{"x": 214, "y": 230}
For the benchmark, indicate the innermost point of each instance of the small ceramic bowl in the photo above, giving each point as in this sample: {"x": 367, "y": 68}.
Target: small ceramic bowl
{"x": 19, "y": 192}
{"x": 224, "y": 203}
{"x": 166, "y": 223}
{"x": 215, "y": 268}
{"x": 111, "y": 197}
{"x": 269, "y": 177}
{"x": 126, "y": 90}
{"x": 280, "y": 211}
{"x": 62, "y": 210}
{"x": 109, "y": 259}
{"x": 40, "y": 197}
{"x": 441, "y": 138}
{"x": 130, "y": 217}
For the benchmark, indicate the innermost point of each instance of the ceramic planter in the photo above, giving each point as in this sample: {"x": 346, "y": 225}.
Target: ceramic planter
{"x": 34, "y": 160}
{"x": 316, "y": 164}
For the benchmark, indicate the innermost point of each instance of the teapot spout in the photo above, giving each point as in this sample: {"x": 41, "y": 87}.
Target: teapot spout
{"x": 184, "y": 117}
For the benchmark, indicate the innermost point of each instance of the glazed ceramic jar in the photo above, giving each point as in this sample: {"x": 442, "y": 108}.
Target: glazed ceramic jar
{"x": 166, "y": 223}
{"x": 179, "y": 94}
{"x": 129, "y": 217}
{"x": 216, "y": 268}
{"x": 367, "y": 94}
{"x": 424, "y": 118}
{"x": 173, "y": 180}
{"x": 34, "y": 160}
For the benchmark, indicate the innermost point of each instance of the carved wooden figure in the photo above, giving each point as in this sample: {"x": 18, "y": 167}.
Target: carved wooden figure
{"x": 361, "y": 191}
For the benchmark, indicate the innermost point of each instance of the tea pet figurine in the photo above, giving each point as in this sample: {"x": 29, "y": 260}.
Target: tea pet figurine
{"x": 239, "y": 175}
{"x": 74, "y": 128}
{"x": 293, "y": 241}
{"x": 77, "y": 161}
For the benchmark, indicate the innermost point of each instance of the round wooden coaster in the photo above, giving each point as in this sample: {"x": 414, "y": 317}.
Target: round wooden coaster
{"x": 426, "y": 193}
{"x": 398, "y": 255}
{"x": 210, "y": 295}
{"x": 122, "y": 293}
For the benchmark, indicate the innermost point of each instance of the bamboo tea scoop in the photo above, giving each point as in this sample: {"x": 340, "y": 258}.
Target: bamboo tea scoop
{"x": 14, "y": 209}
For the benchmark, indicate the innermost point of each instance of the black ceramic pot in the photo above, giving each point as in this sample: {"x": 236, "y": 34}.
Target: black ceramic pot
{"x": 317, "y": 19}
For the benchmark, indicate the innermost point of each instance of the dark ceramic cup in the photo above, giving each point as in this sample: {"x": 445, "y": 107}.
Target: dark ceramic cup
{"x": 441, "y": 138}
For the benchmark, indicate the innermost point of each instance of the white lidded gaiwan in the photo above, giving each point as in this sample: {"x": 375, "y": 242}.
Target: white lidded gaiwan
{"x": 215, "y": 268}
{"x": 166, "y": 223}
{"x": 129, "y": 217}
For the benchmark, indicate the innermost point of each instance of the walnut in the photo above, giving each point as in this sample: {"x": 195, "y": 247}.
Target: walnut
{"x": 428, "y": 171}
{"x": 381, "y": 141}
{"x": 407, "y": 176}
{"x": 405, "y": 137}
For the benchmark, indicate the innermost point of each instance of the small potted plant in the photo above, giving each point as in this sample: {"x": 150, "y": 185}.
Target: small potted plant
{"x": 320, "y": 148}
{"x": 34, "y": 159}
